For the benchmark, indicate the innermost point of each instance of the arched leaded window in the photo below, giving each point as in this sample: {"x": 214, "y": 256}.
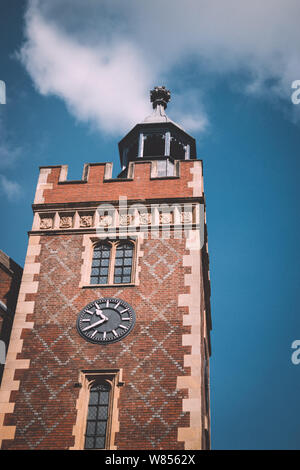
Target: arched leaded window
{"x": 100, "y": 264}
{"x": 97, "y": 417}
{"x": 113, "y": 263}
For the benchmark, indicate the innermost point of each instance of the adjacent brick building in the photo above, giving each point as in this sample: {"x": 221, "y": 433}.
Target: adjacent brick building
{"x": 111, "y": 339}
{"x": 10, "y": 279}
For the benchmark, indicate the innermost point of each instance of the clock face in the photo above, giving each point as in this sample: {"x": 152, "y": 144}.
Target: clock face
{"x": 106, "y": 320}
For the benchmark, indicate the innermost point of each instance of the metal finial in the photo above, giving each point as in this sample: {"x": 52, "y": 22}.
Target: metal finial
{"x": 160, "y": 96}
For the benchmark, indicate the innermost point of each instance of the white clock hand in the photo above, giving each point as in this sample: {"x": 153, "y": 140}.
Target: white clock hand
{"x": 95, "y": 324}
{"x": 100, "y": 314}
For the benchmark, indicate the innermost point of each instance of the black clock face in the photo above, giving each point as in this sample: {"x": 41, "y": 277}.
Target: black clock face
{"x": 106, "y": 320}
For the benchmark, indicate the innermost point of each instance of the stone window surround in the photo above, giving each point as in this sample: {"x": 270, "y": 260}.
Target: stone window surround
{"x": 112, "y": 259}
{"x": 86, "y": 379}
{"x": 90, "y": 241}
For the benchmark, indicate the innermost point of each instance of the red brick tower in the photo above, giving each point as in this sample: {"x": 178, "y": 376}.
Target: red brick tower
{"x": 111, "y": 339}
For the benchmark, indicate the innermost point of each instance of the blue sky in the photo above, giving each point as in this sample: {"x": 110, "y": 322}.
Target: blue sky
{"x": 78, "y": 77}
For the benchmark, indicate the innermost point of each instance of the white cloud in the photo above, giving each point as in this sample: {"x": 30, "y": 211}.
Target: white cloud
{"x": 105, "y": 86}
{"x": 11, "y": 189}
{"x": 101, "y": 58}
{"x": 188, "y": 110}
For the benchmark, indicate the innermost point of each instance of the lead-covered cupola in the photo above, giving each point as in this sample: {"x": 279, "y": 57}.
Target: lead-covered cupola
{"x": 157, "y": 138}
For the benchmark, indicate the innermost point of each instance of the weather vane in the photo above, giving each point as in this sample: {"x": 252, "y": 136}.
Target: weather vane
{"x": 160, "y": 96}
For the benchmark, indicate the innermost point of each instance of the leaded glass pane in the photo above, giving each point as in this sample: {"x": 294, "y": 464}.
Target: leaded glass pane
{"x": 100, "y": 443}
{"x": 89, "y": 443}
{"x": 90, "y": 429}
{"x": 103, "y": 398}
{"x": 127, "y": 246}
{"x": 94, "y": 398}
{"x": 101, "y": 428}
{"x": 104, "y": 262}
{"x": 96, "y": 262}
{"x": 92, "y": 412}
{"x": 124, "y": 254}
{"x": 102, "y": 412}
{"x": 100, "y": 264}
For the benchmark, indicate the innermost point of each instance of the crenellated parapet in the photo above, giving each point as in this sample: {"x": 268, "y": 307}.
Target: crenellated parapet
{"x": 144, "y": 180}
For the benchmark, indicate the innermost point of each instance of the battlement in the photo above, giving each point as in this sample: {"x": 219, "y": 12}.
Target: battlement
{"x": 143, "y": 181}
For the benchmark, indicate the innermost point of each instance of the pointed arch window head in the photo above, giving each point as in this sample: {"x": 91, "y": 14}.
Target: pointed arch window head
{"x": 112, "y": 263}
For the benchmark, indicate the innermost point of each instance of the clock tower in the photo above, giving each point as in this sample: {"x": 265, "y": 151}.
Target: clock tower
{"x": 110, "y": 343}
